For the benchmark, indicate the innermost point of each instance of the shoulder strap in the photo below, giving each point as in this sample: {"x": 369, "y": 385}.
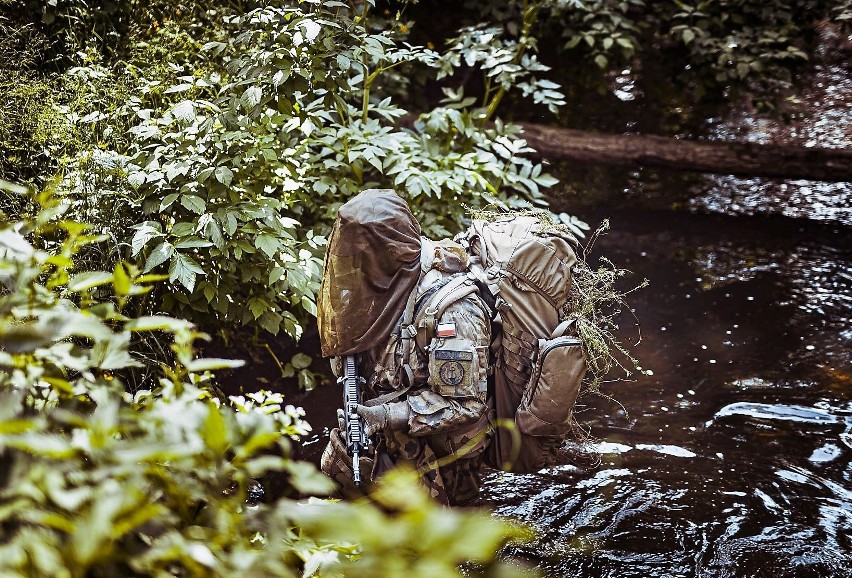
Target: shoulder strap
{"x": 435, "y": 304}
{"x": 407, "y": 332}
{"x": 430, "y": 307}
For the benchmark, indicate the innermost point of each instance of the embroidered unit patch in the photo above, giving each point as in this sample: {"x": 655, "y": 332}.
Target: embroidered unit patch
{"x": 452, "y": 372}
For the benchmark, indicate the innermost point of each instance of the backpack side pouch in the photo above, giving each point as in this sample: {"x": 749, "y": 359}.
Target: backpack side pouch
{"x": 547, "y": 404}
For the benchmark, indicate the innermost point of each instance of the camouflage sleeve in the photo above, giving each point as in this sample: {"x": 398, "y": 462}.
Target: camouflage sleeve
{"x": 457, "y": 372}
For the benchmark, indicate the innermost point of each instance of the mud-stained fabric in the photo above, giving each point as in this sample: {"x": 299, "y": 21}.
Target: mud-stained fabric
{"x": 371, "y": 265}
{"x": 449, "y": 417}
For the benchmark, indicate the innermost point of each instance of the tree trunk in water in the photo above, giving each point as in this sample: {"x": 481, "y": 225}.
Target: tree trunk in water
{"x": 724, "y": 158}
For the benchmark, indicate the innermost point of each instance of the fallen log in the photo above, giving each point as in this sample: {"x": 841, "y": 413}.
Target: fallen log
{"x": 725, "y": 158}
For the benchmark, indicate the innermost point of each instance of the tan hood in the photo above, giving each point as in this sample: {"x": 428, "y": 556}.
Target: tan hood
{"x": 371, "y": 265}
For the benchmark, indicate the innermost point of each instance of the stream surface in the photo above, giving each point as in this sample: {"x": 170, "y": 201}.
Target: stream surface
{"x": 734, "y": 459}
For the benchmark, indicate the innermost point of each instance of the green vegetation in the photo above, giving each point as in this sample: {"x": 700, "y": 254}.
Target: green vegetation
{"x": 681, "y": 52}
{"x": 208, "y": 146}
{"x": 96, "y": 480}
{"x": 224, "y": 160}
{"x": 214, "y": 141}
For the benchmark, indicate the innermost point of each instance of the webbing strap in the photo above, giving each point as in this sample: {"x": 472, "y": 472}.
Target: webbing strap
{"x": 427, "y": 318}
{"x": 407, "y": 332}
{"x": 562, "y": 328}
{"x": 386, "y": 397}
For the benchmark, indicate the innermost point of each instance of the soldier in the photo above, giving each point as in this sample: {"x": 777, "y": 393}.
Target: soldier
{"x": 434, "y": 412}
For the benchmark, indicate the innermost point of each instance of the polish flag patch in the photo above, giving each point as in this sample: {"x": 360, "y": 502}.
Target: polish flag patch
{"x": 446, "y": 330}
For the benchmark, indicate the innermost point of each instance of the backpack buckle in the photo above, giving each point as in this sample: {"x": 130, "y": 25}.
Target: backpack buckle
{"x": 408, "y": 331}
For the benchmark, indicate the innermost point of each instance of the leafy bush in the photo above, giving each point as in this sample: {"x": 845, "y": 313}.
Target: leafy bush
{"x": 99, "y": 481}
{"x": 219, "y": 154}
{"x": 219, "y": 148}
{"x": 703, "y": 50}
{"x": 245, "y": 180}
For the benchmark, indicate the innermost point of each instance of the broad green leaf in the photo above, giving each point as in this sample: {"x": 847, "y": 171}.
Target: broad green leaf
{"x": 194, "y": 203}
{"x": 231, "y": 223}
{"x": 268, "y": 244}
{"x": 135, "y": 518}
{"x": 184, "y": 111}
{"x": 301, "y": 361}
{"x": 213, "y": 232}
{"x": 256, "y": 467}
{"x": 151, "y": 278}
{"x": 121, "y": 281}
{"x": 271, "y": 321}
{"x": 209, "y": 291}
{"x": 16, "y": 426}
{"x": 192, "y": 243}
{"x": 309, "y": 305}
{"x": 184, "y": 269}
{"x": 42, "y": 444}
{"x": 212, "y": 363}
{"x": 307, "y": 479}
{"x": 251, "y": 97}
{"x": 13, "y": 187}
{"x": 159, "y": 255}
{"x": 546, "y": 180}
{"x": 183, "y": 229}
{"x": 136, "y": 179}
{"x": 158, "y": 323}
{"x": 144, "y": 233}
{"x": 258, "y": 306}
{"x": 214, "y": 47}
{"x": 275, "y": 275}
{"x": 213, "y": 431}
{"x": 224, "y": 175}
{"x": 306, "y": 380}
{"x": 178, "y": 88}
{"x": 61, "y": 261}
{"x": 168, "y": 201}
{"x": 257, "y": 442}
{"x": 112, "y": 354}
{"x": 88, "y": 280}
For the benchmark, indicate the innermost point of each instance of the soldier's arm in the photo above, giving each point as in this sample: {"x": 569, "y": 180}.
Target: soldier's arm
{"x": 457, "y": 379}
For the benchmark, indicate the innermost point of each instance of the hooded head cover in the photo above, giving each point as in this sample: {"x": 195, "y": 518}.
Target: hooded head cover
{"x": 371, "y": 266}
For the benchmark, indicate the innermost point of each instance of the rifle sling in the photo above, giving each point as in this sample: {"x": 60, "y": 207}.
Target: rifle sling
{"x": 386, "y": 397}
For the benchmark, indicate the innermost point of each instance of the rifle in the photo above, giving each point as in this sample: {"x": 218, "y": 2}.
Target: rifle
{"x": 356, "y": 434}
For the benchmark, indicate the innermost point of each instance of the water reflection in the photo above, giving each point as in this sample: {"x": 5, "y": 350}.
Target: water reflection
{"x": 794, "y": 413}
{"x": 829, "y": 91}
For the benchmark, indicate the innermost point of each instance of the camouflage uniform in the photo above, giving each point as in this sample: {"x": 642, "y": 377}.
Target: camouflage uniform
{"x": 449, "y": 411}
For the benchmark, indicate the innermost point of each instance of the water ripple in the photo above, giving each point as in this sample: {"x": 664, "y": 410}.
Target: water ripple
{"x": 795, "y": 413}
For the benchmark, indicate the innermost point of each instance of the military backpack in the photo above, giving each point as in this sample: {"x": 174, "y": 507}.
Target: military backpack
{"x": 521, "y": 267}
